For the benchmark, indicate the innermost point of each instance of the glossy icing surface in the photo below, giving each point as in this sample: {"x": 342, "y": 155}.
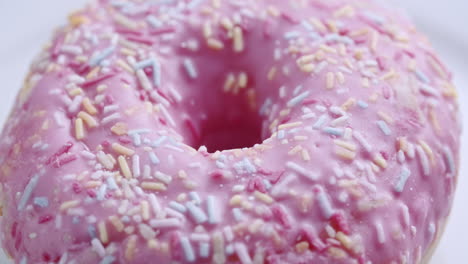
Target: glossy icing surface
{"x": 111, "y": 152}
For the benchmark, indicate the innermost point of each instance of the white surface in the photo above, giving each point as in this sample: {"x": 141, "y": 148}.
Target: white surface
{"x": 26, "y": 25}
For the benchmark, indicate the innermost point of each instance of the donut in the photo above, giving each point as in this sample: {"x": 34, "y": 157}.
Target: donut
{"x": 231, "y": 131}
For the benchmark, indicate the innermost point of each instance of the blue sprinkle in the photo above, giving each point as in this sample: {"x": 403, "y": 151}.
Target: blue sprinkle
{"x": 157, "y": 73}
{"x": 362, "y": 104}
{"x": 384, "y": 127}
{"x": 291, "y": 35}
{"x": 154, "y": 159}
{"x": 136, "y": 138}
{"x": 307, "y": 25}
{"x": 178, "y": 207}
{"x": 92, "y": 231}
{"x": 281, "y": 134}
{"x": 76, "y": 220}
{"x": 42, "y": 202}
{"x": 107, "y": 260}
{"x": 159, "y": 141}
{"x": 98, "y": 58}
{"x": 143, "y": 64}
{"x": 334, "y": 131}
{"x": 320, "y": 121}
{"x": 422, "y": 77}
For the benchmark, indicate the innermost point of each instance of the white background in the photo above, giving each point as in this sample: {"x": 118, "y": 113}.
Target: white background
{"x": 25, "y": 25}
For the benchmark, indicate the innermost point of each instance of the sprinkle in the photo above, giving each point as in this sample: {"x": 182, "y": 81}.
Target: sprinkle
{"x": 302, "y": 171}
{"x": 424, "y": 161}
{"x": 110, "y": 118}
{"x": 99, "y": 57}
{"x": 155, "y": 186}
{"x": 320, "y": 122}
{"x": 63, "y": 258}
{"x": 196, "y": 212}
{"x": 374, "y": 17}
{"x": 79, "y": 129}
{"x": 345, "y": 154}
{"x": 404, "y": 175}
{"x": 165, "y": 223}
{"x": 380, "y": 161}
{"x": 289, "y": 125}
{"x": 324, "y": 203}
{"x": 188, "y": 250}
{"x": 105, "y": 160}
{"x": 154, "y": 203}
{"x": 428, "y": 90}
{"x": 195, "y": 197}
{"x": 108, "y": 260}
{"x": 243, "y": 253}
{"x": 298, "y": 99}
{"x": 330, "y": 80}
{"x": 215, "y": 44}
{"x": 334, "y": 131}
{"x": 178, "y": 206}
{"x": 122, "y": 149}
{"x": 89, "y": 120}
{"x": 238, "y": 39}
{"x": 163, "y": 177}
{"x": 264, "y": 197}
{"x": 364, "y": 143}
{"x": 69, "y": 204}
{"x": 103, "y": 235}
{"x": 28, "y": 192}
{"x": 380, "y": 232}
{"x": 339, "y": 120}
{"x": 422, "y": 77}
{"x": 154, "y": 159}
{"x": 204, "y": 250}
{"x": 98, "y": 247}
{"x": 136, "y": 165}
{"x": 213, "y": 210}
{"x": 144, "y": 81}
{"x": 449, "y": 160}
{"x": 42, "y": 202}
{"x": 362, "y": 104}
{"x": 238, "y": 215}
{"x": 384, "y": 127}
{"x": 190, "y": 68}
{"x": 131, "y": 246}
{"x": 124, "y": 167}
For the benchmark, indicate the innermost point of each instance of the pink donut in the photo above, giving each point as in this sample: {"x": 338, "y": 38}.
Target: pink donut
{"x": 231, "y": 131}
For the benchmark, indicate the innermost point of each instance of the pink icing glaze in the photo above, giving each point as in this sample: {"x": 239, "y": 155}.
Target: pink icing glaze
{"x": 355, "y": 119}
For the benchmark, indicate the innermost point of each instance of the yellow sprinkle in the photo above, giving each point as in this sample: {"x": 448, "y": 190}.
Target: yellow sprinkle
{"x": 182, "y": 174}
{"x": 305, "y": 155}
{"x": 337, "y": 253}
{"x": 242, "y": 80}
{"x": 128, "y": 52}
{"x": 306, "y": 59}
{"x": 436, "y": 66}
{"x": 272, "y": 73}
{"x": 285, "y": 112}
{"x": 328, "y": 49}
{"x": 124, "y": 167}
{"x": 427, "y": 149}
{"x": 295, "y": 150}
{"x": 330, "y": 80}
{"x": 229, "y": 83}
{"x": 307, "y": 68}
{"x": 79, "y": 129}
{"x": 385, "y": 117}
{"x": 332, "y": 26}
{"x": 345, "y": 240}
{"x": 93, "y": 73}
{"x": 100, "y": 88}
{"x": 125, "y": 22}
{"x": 88, "y": 119}
{"x": 89, "y": 107}
{"x": 289, "y": 125}
{"x": 215, "y": 44}
{"x": 130, "y": 249}
{"x": 92, "y": 184}
{"x": 75, "y": 92}
{"x": 302, "y": 247}
{"x": 345, "y": 154}
{"x": 227, "y": 23}
{"x": 153, "y": 244}
{"x": 119, "y": 226}
{"x": 340, "y": 77}
{"x": 273, "y": 11}
{"x": 119, "y": 129}
{"x": 238, "y": 39}
{"x": 348, "y": 104}
{"x": 342, "y": 49}
{"x": 346, "y": 145}
{"x": 374, "y": 41}
{"x": 264, "y": 197}
{"x": 125, "y": 66}
{"x": 69, "y": 204}
{"x": 318, "y": 25}
{"x": 145, "y": 212}
{"x": 389, "y": 75}
{"x": 346, "y": 11}
{"x": 154, "y": 186}
{"x": 122, "y": 150}
{"x": 236, "y": 200}
{"x": 76, "y": 20}
{"x": 207, "y": 31}
{"x": 300, "y": 138}
{"x": 380, "y": 161}
{"x": 103, "y": 235}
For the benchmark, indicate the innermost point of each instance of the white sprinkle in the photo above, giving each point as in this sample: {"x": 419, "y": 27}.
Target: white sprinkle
{"x": 374, "y": 17}
{"x": 339, "y": 120}
{"x": 157, "y": 73}
{"x": 136, "y": 166}
{"x": 63, "y": 259}
{"x": 187, "y": 248}
{"x": 204, "y": 250}
{"x": 334, "y": 131}
{"x": 380, "y": 232}
{"x": 143, "y": 64}
{"x": 101, "y": 192}
{"x": 177, "y": 206}
{"x": 337, "y": 111}
{"x": 165, "y": 223}
{"x": 154, "y": 159}
{"x": 213, "y": 210}
{"x": 167, "y": 115}
{"x": 75, "y": 104}
{"x": 422, "y": 77}
{"x": 298, "y": 99}
{"x": 320, "y": 67}
{"x": 426, "y": 89}
{"x": 112, "y": 184}
{"x": 401, "y": 156}
{"x": 196, "y": 212}
{"x": 98, "y": 247}
{"x": 291, "y": 35}
{"x": 110, "y": 118}
{"x": 24, "y": 260}
{"x": 99, "y": 57}
{"x": 238, "y": 215}
{"x": 320, "y": 122}
{"x": 449, "y": 160}
{"x": 190, "y": 68}
{"x": 228, "y": 233}
{"x": 362, "y": 104}
{"x": 154, "y": 204}
{"x": 41, "y": 201}
{"x": 144, "y": 81}
{"x": 424, "y": 161}
{"x": 302, "y": 171}
{"x": 194, "y": 3}
{"x": 59, "y": 119}
{"x": 195, "y": 197}
{"x": 163, "y": 177}
{"x": 153, "y": 21}
{"x": 406, "y": 214}
{"x": 324, "y": 203}
{"x": 360, "y": 138}
{"x": 28, "y": 192}
{"x": 281, "y": 134}
{"x": 307, "y": 25}
{"x": 404, "y": 175}
{"x": 242, "y": 253}
{"x": 106, "y": 260}
{"x": 384, "y": 127}
{"x": 280, "y": 187}
{"x": 110, "y": 108}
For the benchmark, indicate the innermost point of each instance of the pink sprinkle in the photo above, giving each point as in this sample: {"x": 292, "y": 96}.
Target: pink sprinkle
{"x": 280, "y": 214}
{"x": 141, "y": 40}
{"x": 45, "y": 218}
{"x": 267, "y": 30}
{"x": 289, "y": 18}
{"x": 163, "y": 30}
{"x": 338, "y": 221}
{"x": 76, "y": 188}
{"x": 386, "y": 92}
{"x": 216, "y": 175}
{"x": 192, "y": 129}
{"x": 57, "y": 46}
{"x": 91, "y": 193}
{"x": 383, "y": 63}
{"x": 126, "y": 31}
{"x": 125, "y": 140}
{"x": 106, "y": 143}
{"x": 98, "y": 79}
{"x": 313, "y": 239}
{"x": 65, "y": 160}
{"x": 264, "y": 171}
